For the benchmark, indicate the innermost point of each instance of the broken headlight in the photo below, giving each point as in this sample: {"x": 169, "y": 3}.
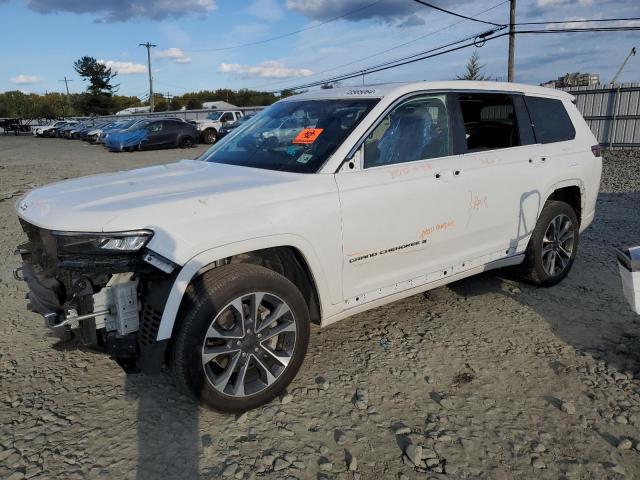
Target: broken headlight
{"x": 101, "y": 243}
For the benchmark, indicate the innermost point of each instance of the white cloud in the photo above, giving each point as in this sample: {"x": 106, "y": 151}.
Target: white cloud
{"x": 174, "y": 53}
{"x": 124, "y": 68}
{"x": 24, "y": 79}
{"x": 270, "y": 69}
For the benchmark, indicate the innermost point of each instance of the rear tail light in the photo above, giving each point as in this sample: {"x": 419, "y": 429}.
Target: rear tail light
{"x": 596, "y": 150}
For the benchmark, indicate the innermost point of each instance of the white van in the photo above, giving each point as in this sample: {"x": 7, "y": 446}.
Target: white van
{"x": 217, "y": 266}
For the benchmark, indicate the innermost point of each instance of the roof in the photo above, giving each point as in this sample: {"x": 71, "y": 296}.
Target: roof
{"x": 399, "y": 89}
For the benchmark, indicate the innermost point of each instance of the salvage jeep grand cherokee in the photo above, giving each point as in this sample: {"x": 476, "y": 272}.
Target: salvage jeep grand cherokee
{"x": 324, "y": 205}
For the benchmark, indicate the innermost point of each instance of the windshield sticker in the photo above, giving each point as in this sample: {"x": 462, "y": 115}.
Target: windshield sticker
{"x": 307, "y": 136}
{"x": 304, "y": 158}
{"x": 292, "y": 150}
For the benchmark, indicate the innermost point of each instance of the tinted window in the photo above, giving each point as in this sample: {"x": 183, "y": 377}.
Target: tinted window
{"x": 415, "y": 130}
{"x": 292, "y": 135}
{"x": 227, "y": 117}
{"x": 551, "y": 122}
{"x": 489, "y": 121}
{"x": 154, "y": 127}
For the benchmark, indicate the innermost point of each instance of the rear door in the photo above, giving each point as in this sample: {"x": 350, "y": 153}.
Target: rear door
{"x": 501, "y": 173}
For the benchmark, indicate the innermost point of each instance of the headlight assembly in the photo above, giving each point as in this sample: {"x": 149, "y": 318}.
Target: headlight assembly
{"x": 101, "y": 243}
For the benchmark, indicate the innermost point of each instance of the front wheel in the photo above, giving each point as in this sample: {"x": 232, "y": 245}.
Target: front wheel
{"x": 242, "y": 338}
{"x": 210, "y": 136}
{"x": 553, "y": 245}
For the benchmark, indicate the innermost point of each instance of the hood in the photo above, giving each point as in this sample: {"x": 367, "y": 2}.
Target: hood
{"x": 204, "y": 120}
{"x": 145, "y": 197}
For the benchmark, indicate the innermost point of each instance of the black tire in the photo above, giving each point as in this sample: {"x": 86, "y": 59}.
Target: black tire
{"x": 210, "y": 295}
{"x": 533, "y": 268}
{"x": 186, "y": 142}
{"x": 210, "y": 136}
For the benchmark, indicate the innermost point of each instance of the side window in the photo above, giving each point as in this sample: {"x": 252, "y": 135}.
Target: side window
{"x": 227, "y": 117}
{"x": 238, "y": 115}
{"x": 155, "y": 127}
{"x": 489, "y": 121}
{"x": 551, "y": 122}
{"x": 417, "y": 129}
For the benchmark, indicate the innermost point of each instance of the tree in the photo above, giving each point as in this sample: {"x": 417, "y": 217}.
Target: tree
{"x": 474, "y": 69}
{"x": 98, "y": 97}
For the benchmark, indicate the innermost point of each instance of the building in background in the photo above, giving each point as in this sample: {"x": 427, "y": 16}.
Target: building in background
{"x": 575, "y": 79}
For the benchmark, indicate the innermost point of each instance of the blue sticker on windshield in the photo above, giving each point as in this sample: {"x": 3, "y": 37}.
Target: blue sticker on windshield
{"x": 292, "y": 150}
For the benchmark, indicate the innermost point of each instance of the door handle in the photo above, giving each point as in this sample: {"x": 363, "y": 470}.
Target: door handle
{"x": 538, "y": 160}
{"x": 448, "y": 175}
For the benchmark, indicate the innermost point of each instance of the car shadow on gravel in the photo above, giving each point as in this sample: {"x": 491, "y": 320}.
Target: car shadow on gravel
{"x": 587, "y": 309}
{"x": 168, "y": 438}
{"x": 167, "y": 423}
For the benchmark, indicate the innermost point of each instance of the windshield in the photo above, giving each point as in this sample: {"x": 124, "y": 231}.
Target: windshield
{"x": 292, "y": 136}
{"x": 214, "y": 115}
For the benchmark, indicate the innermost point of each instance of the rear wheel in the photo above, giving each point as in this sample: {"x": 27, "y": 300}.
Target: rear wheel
{"x": 242, "y": 338}
{"x": 553, "y": 245}
{"x": 186, "y": 142}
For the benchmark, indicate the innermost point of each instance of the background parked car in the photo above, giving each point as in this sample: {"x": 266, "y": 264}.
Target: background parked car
{"x": 229, "y": 127}
{"x": 43, "y": 130}
{"x": 161, "y": 133}
{"x": 55, "y": 130}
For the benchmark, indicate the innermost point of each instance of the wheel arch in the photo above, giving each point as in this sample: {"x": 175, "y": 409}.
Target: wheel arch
{"x": 571, "y": 192}
{"x": 294, "y": 260}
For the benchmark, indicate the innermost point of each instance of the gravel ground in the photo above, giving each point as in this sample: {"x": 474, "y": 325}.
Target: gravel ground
{"x": 487, "y": 378}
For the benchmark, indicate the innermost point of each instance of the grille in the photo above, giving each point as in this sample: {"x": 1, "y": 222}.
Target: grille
{"x": 149, "y": 325}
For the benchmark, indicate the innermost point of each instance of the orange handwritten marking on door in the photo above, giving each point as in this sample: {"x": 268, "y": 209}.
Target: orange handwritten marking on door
{"x": 308, "y": 136}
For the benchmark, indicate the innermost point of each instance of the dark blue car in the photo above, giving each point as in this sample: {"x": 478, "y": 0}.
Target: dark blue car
{"x": 153, "y": 134}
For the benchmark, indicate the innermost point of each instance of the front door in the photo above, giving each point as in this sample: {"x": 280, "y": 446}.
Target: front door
{"x": 403, "y": 213}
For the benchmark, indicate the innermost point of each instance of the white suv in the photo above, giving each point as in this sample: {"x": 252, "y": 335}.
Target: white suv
{"x": 217, "y": 266}
{"x": 210, "y": 127}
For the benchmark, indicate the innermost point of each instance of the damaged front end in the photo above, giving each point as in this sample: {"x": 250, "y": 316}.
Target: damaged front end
{"x": 105, "y": 289}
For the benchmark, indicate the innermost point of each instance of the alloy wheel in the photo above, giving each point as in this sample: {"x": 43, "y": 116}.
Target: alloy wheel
{"x": 249, "y": 344}
{"x": 557, "y": 245}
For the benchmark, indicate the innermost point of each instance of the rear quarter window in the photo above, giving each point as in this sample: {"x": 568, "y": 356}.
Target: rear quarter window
{"x": 551, "y": 122}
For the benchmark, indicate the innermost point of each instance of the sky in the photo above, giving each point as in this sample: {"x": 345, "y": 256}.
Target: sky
{"x": 202, "y": 44}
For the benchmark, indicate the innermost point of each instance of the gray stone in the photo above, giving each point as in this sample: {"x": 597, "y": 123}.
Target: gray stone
{"x": 568, "y": 408}
{"x": 625, "y": 444}
{"x": 414, "y": 453}
{"x": 280, "y": 464}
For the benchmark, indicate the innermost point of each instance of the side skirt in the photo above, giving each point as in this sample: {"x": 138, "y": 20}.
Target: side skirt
{"x": 407, "y": 288}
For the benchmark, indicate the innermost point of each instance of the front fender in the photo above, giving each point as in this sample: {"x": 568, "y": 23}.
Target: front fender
{"x": 205, "y": 260}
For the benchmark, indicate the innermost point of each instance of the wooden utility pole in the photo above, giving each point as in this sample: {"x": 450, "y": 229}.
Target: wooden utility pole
{"x": 66, "y": 83}
{"x": 149, "y": 47}
{"x": 512, "y": 39}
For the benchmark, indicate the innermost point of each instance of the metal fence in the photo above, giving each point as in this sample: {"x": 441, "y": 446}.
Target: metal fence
{"x": 613, "y": 113}
{"x": 185, "y": 114}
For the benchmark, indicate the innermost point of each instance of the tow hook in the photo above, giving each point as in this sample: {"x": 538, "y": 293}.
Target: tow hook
{"x": 17, "y": 274}
{"x": 51, "y": 319}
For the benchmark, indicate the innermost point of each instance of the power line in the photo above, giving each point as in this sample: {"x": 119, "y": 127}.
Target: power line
{"x": 484, "y": 37}
{"x": 435, "y": 7}
{"x": 581, "y": 21}
{"x": 289, "y": 34}
{"x": 388, "y": 49}
{"x": 473, "y": 40}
